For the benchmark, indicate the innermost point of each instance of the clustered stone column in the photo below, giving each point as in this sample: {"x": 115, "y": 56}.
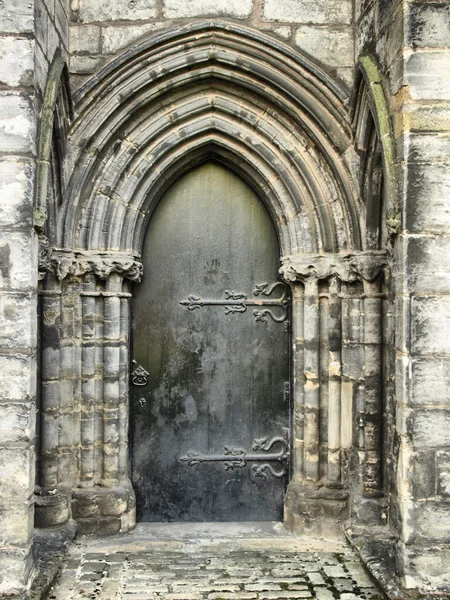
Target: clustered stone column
{"x": 337, "y": 331}
{"x": 84, "y": 412}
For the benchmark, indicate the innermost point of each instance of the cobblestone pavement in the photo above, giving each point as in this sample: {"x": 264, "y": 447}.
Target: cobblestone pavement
{"x": 180, "y": 562}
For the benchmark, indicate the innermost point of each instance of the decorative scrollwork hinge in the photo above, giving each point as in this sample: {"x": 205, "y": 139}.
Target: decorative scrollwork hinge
{"x": 237, "y": 458}
{"x": 235, "y": 302}
{"x": 139, "y": 376}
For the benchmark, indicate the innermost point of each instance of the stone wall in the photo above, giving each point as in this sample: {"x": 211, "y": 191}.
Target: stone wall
{"x": 322, "y": 29}
{"x": 411, "y": 41}
{"x": 30, "y": 34}
{"x": 18, "y": 279}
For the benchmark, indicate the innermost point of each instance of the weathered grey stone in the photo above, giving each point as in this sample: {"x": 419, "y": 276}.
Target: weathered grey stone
{"x": 16, "y": 186}
{"x": 428, "y": 75}
{"x": 331, "y": 46}
{"x": 17, "y": 422}
{"x": 309, "y": 11}
{"x": 118, "y": 37}
{"x": 17, "y": 529}
{"x": 17, "y": 17}
{"x": 101, "y": 10}
{"x": 428, "y": 24}
{"x": 18, "y": 260}
{"x": 433, "y": 182}
{"x": 431, "y": 374}
{"x": 428, "y": 263}
{"x": 16, "y": 380}
{"x": 85, "y": 38}
{"x": 443, "y": 474}
{"x": 431, "y": 428}
{"x": 84, "y": 65}
{"x": 239, "y": 9}
{"x": 434, "y": 523}
{"x": 16, "y": 61}
{"x": 430, "y": 322}
{"x": 16, "y": 123}
{"x": 17, "y": 312}
{"x": 17, "y": 471}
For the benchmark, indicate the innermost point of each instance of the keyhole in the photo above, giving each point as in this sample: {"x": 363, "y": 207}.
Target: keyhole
{"x": 142, "y": 402}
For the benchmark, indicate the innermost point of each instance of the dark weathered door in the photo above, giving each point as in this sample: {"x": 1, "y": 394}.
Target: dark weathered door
{"x": 210, "y": 421}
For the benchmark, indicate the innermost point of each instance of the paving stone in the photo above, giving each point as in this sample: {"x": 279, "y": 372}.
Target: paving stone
{"x": 196, "y": 573}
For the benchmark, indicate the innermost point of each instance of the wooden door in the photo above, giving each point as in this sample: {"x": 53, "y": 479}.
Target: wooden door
{"x": 210, "y": 413}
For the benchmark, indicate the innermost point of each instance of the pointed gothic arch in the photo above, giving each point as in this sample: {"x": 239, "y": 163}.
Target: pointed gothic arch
{"x": 221, "y": 85}
{"x": 210, "y": 91}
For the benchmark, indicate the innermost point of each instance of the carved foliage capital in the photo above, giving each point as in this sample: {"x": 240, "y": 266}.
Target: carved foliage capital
{"x": 76, "y": 263}
{"x": 348, "y": 267}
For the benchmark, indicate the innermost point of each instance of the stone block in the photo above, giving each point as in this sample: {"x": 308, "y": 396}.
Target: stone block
{"x": 309, "y": 11}
{"x": 16, "y": 189}
{"x": 18, "y": 320}
{"x": 16, "y": 61}
{"x": 18, "y": 260}
{"x": 84, "y": 65}
{"x": 17, "y": 527}
{"x": 428, "y": 24}
{"x": 17, "y": 17}
{"x": 315, "y": 511}
{"x": 433, "y": 522}
{"x": 430, "y": 181}
{"x": 52, "y": 510}
{"x": 430, "y": 323}
{"x": 61, "y": 22}
{"x": 428, "y": 568}
{"x": 17, "y": 377}
{"x": 117, "y": 38}
{"x": 331, "y": 46}
{"x": 17, "y": 123}
{"x": 238, "y": 9}
{"x": 443, "y": 474}
{"x": 85, "y": 38}
{"x": 424, "y": 147}
{"x": 41, "y": 69}
{"x": 428, "y": 263}
{"x": 16, "y": 568}
{"x": 431, "y": 428}
{"x": 109, "y": 10}
{"x": 428, "y": 75}
{"x": 431, "y": 374}
{"x": 53, "y": 40}
{"x": 16, "y": 471}
{"x": 424, "y": 474}
{"x": 17, "y": 422}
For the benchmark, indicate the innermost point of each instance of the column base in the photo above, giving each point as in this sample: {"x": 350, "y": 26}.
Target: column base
{"x": 51, "y": 509}
{"x": 316, "y": 511}
{"x": 104, "y": 511}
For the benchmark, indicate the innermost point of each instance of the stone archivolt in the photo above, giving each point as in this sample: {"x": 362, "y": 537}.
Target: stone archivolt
{"x": 209, "y": 91}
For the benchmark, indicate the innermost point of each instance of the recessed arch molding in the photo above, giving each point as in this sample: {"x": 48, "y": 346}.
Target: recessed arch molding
{"x": 210, "y": 91}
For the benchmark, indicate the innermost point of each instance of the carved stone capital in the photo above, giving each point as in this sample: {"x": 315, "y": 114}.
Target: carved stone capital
{"x": 348, "y": 267}
{"x": 76, "y": 263}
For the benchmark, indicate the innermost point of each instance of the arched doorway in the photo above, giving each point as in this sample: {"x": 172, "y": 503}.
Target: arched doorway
{"x": 210, "y": 387}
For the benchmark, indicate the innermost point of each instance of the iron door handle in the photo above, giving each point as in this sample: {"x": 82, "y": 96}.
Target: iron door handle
{"x": 139, "y": 377}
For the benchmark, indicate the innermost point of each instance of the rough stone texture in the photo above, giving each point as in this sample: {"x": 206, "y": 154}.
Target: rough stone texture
{"x": 309, "y": 11}
{"x": 197, "y": 562}
{"x": 239, "y": 9}
{"x": 121, "y": 26}
{"x": 338, "y": 353}
{"x": 99, "y": 10}
{"x": 418, "y": 82}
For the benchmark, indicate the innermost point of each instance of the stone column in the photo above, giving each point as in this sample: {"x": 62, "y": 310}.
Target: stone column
{"x": 92, "y": 346}
{"x": 326, "y": 399}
